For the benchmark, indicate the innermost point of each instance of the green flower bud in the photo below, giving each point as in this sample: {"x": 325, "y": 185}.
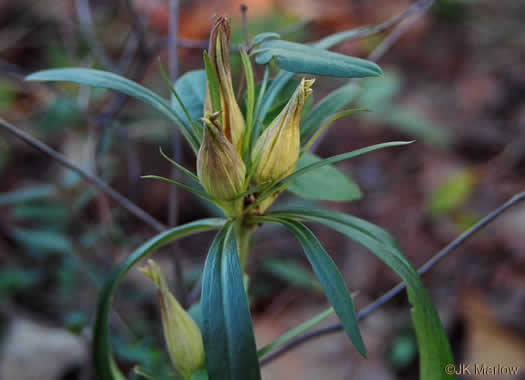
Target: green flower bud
{"x": 232, "y": 119}
{"x": 276, "y": 151}
{"x": 220, "y": 168}
{"x": 182, "y": 335}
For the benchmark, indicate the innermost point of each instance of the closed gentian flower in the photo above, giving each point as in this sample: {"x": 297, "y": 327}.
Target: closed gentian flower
{"x": 276, "y": 151}
{"x": 220, "y": 168}
{"x": 183, "y": 336}
{"x": 233, "y": 123}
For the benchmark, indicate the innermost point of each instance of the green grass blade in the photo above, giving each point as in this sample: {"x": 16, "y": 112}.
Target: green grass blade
{"x": 103, "y": 357}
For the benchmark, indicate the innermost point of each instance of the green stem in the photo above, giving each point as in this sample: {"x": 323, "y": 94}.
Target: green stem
{"x": 243, "y": 234}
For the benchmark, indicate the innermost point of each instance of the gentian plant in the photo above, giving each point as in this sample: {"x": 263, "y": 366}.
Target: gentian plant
{"x": 247, "y": 155}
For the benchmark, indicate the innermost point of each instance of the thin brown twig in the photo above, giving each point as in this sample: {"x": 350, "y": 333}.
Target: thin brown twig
{"x": 337, "y": 327}
{"x": 92, "y": 179}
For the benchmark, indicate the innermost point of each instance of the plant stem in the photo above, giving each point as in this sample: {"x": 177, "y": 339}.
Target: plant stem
{"x": 243, "y": 234}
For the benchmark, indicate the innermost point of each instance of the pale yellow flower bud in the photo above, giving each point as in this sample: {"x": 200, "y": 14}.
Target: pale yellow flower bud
{"x": 182, "y": 335}
{"x": 276, "y": 151}
{"x": 232, "y": 119}
{"x": 220, "y": 168}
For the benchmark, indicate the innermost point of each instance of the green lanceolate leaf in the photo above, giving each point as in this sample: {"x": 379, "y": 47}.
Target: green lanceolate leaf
{"x": 331, "y": 104}
{"x": 434, "y": 349}
{"x": 300, "y": 58}
{"x": 227, "y": 328}
{"x": 313, "y": 185}
{"x": 330, "y": 278}
{"x": 98, "y": 78}
{"x": 103, "y": 358}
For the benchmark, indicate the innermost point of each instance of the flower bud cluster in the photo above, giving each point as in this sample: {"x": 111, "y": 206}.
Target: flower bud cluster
{"x": 220, "y": 166}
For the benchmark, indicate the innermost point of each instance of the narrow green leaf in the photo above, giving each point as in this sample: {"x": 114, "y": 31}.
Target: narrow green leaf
{"x": 103, "y": 358}
{"x": 330, "y": 278}
{"x": 98, "y": 78}
{"x": 213, "y": 84}
{"x": 178, "y": 100}
{"x": 288, "y": 336}
{"x": 281, "y": 185}
{"x": 227, "y": 328}
{"x": 300, "y": 58}
{"x": 330, "y": 104}
{"x": 181, "y": 185}
{"x": 250, "y": 98}
{"x": 313, "y": 184}
{"x": 434, "y": 349}
{"x": 189, "y": 173}
{"x": 342, "y": 157}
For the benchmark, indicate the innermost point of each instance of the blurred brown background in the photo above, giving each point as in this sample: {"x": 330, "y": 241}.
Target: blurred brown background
{"x": 454, "y": 82}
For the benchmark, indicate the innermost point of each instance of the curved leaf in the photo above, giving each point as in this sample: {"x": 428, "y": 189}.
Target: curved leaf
{"x": 227, "y": 328}
{"x": 103, "y": 358}
{"x": 300, "y": 58}
{"x": 434, "y": 350}
{"x": 104, "y": 79}
{"x": 313, "y": 185}
{"x": 330, "y": 278}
